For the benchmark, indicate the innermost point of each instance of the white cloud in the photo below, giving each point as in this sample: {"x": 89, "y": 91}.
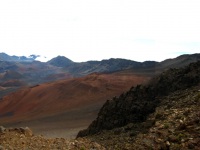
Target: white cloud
{"x": 90, "y": 29}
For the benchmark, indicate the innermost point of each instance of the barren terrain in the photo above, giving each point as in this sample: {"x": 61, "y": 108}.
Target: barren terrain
{"x": 64, "y": 107}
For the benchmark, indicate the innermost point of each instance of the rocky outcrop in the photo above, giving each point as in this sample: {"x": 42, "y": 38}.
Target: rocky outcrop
{"x": 2, "y": 129}
{"x": 135, "y": 105}
{"x": 175, "y": 125}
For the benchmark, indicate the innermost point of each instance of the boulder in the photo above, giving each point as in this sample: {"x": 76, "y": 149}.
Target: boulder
{"x": 26, "y": 131}
{"x": 2, "y": 129}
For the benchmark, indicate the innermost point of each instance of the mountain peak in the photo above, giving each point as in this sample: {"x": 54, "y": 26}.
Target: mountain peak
{"x": 60, "y": 61}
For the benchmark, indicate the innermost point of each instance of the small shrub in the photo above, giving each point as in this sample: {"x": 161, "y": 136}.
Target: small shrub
{"x": 159, "y": 116}
{"x": 82, "y": 148}
{"x": 180, "y": 136}
{"x": 166, "y": 126}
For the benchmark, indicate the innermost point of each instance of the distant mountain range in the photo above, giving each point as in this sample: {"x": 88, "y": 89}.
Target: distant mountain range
{"x": 13, "y": 63}
{"x": 6, "y": 57}
{"x": 112, "y": 65}
{"x": 18, "y": 71}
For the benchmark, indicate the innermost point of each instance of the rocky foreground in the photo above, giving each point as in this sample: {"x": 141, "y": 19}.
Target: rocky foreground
{"x": 24, "y": 139}
{"x": 175, "y": 125}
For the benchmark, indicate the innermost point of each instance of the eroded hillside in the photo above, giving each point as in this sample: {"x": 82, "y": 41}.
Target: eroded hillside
{"x": 174, "y": 125}
{"x": 55, "y": 108}
{"x": 161, "y": 115}
{"x": 140, "y": 101}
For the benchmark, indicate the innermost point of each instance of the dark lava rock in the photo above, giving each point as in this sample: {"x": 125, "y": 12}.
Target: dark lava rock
{"x": 140, "y": 101}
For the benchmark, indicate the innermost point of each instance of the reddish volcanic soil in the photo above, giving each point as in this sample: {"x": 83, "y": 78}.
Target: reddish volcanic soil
{"x": 64, "y": 107}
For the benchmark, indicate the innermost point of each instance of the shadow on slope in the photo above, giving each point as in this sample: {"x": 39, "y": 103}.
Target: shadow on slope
{"x": 135, "y": 105}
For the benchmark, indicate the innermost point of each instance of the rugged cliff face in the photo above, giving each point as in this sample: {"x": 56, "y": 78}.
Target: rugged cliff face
{"x": 174, "y": 125}
{"x": 135, "y": 105}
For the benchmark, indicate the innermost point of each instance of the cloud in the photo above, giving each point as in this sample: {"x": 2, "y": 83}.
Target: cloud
{"x": 90, "y": 29}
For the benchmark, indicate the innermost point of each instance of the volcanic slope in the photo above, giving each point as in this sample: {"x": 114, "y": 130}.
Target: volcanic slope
{"x": 163, "y": 114}
{"x": 14, "y": 75}
{"x": 64, "y": 101}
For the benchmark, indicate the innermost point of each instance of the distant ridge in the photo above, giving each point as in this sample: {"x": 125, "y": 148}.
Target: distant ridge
{"x": 118, "y": 64}
{"x": 180, "y": 61}
{"x": 107, "y": 66}
{"x": 60, "y": 67}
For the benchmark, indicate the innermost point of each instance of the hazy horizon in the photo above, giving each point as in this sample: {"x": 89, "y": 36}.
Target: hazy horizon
{"x": 45, "y": 59}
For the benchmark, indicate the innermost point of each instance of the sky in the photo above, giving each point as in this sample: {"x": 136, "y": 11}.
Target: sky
{"x": 83, "y": 30}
